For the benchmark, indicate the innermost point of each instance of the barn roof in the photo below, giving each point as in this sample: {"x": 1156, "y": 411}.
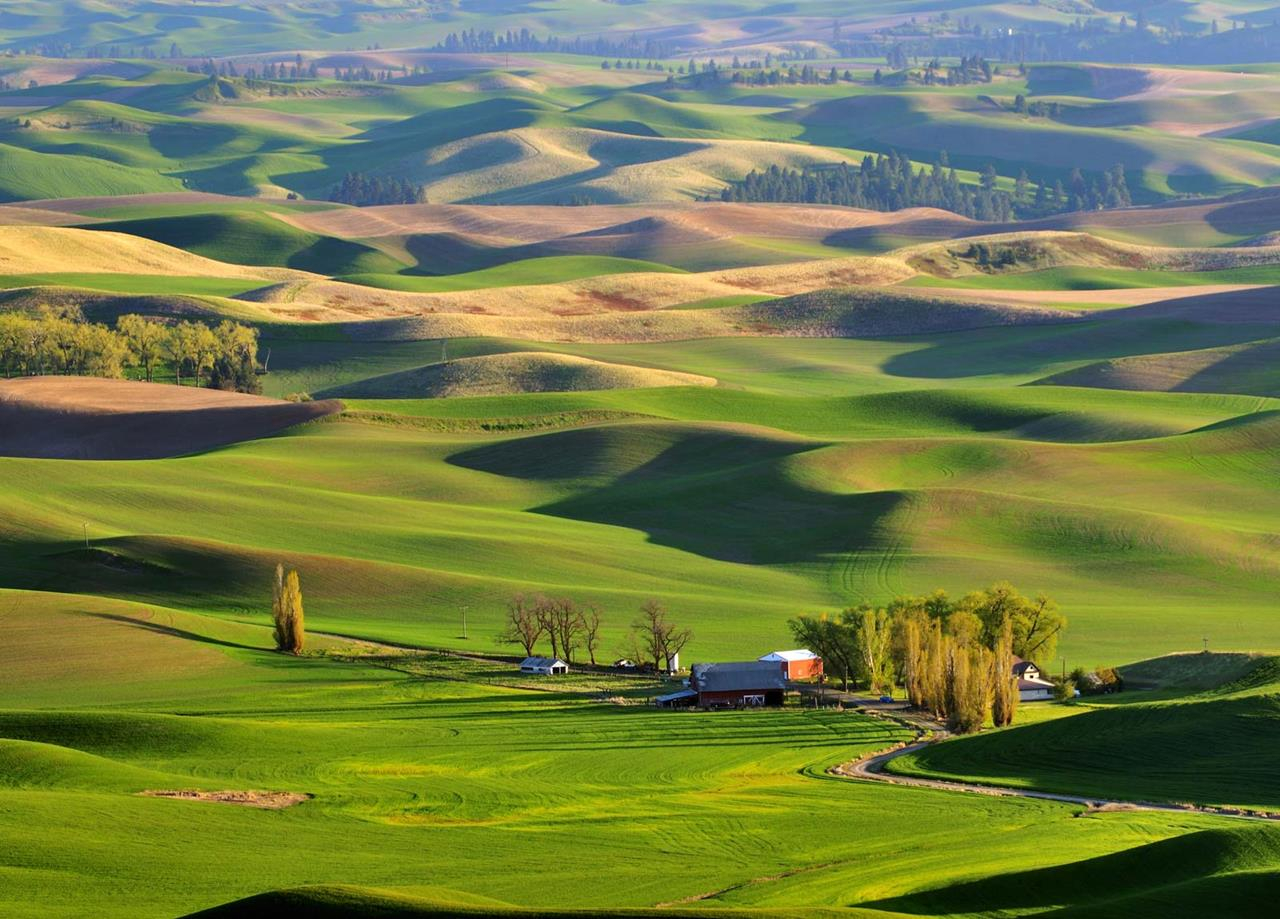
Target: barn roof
{"x": 675, "y": 696}
{"x": 800, "y": 654}
{"x": 541, "y": 662}
{"x": 729, "y": 677}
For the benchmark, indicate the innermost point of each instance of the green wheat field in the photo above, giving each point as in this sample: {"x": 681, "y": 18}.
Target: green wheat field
{"x": 756, "y": 311}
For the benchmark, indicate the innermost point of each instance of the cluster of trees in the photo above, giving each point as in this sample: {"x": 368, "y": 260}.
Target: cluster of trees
{"x": 806, "y": 75}
{"x": 286, "y": 611}
{"x": 565, "y": 623}
{"x": 620, "y": 64}
{"x": 61, "y": 341}
{"x": 890, "y": 183}
{"x": 1081, "y": 193}
{"x": 570, "y": 626}
{"x": 1099, "y": 682}
{"x": 281, "y": 71}
{"x": 954, "y": 658}
{"x": 1036, "y": 109}
{"x": 881, "y": 183}
{"x": 971, "y": 69}
{"x": 366, "y": 191}
{"x": 298, "y": 69}
{"x": 365, "y": 74}
{"x": 1176, "y": 40}
{"x": 470, "y": 41}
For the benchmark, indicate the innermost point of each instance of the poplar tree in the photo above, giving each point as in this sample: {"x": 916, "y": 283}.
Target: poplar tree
{"x": 286, "y": 611}
{"x": 1004, "y": 702}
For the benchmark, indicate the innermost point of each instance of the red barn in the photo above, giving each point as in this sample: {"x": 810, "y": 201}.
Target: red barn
{"x": 741, "y": 684}
{"x": 800, "y": 664}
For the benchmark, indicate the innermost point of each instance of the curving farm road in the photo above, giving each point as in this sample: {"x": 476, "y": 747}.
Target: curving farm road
{"x": 872, "y": 768}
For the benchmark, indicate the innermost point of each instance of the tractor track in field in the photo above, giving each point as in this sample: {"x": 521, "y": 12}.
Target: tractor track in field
{"x": 871, "y": 768}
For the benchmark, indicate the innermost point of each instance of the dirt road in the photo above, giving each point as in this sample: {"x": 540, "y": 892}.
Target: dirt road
{"x": 872, "y": 768}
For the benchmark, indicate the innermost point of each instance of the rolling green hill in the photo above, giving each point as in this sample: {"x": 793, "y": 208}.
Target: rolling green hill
{"x": 257, "y": 239}
{"x": 434, "y": 769}
{"x": 1134, "y": 749}
{"x": 577, "y": 372}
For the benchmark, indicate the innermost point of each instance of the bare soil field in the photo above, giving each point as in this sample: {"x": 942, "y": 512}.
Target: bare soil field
{"x": 265, "y": 800}
{"x": 523, "y": 224}
{"x": 335, "y": 301}
{"x": 75, "y": 205}
{"x": 88, "y": 418}
{"x": 865, "y": 312}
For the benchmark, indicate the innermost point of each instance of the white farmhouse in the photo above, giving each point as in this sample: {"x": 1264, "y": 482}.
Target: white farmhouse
{"x": 544, "y": 666}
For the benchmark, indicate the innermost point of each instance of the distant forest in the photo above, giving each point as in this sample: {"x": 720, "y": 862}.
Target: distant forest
{"x": 471, "y": 41}
{"x": 889, "y": 182}
{"x": 1228, "y": 42}
{"x": 367, "y": 191}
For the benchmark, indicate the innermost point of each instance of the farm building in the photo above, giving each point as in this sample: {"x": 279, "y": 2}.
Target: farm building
{"x": 1025, "y": 670}
{"x": 745, "y": 683}
{"x": 682, "y": 698}
{"x": 800, "y": 664}
{"x": 545, "y": 666}
{"x": 1031, "y": 686}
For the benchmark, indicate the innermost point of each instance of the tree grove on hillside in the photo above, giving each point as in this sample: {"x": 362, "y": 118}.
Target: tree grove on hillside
{"x": 60, "y": 341}
{"x": 890, "y": 183}
{"x": 362, "y": 190}
{"x": 954, "y": 658}
{"x": 286, "y": 611}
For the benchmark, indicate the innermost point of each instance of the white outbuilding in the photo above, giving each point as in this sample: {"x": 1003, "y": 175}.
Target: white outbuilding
{"x": 544, "y": 666}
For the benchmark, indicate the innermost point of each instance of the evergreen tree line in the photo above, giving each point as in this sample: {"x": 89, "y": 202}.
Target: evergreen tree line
{"x": 954, "y": 658}
{"x": 367, "y": 191}
{"x": 805, "y": 75}
{"x": 471, "y": 41}
{"x": 569, "y": 626}
{"x": 889, "y": 182}
{"x": 286, "y": 72}
{"x": 651, "y": 66}
{"x": 62, "y": 342}
{"x": 1084, "y": 40}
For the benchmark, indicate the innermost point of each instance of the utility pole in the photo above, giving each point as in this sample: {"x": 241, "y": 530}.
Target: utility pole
{"x": 464, "y": 623}
{"x": 86, "y": 536}
{"x": 1206, "y": 644}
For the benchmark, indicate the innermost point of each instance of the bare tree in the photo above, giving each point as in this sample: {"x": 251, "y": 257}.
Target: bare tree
{"x": 565, "y": 620}
{"x": 651, "y": 629}
{"x": 523, "y": 626}
{"x": 544, "y": 611}
{"x": 661, "y": 640}
{"x": 591, "y": 616}
{"x": 676, "y": 640}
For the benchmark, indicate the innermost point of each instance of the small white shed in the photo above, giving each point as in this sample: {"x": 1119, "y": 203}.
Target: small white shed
{"x": 545, "y": 666}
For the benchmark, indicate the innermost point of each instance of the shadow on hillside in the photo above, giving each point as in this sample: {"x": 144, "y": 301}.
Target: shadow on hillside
{"x": 1179, "y": 324}
{"x": 722, "y": 495}
{"x": 173, "y": 631}
{"x": 1185, "y": 870}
